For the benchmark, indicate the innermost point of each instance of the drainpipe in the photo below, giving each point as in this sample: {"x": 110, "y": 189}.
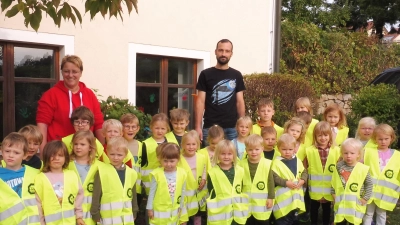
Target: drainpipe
{"x": 277, "y": 36}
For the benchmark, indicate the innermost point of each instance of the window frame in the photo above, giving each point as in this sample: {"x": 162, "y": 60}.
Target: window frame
{"x": 9, "y": 80}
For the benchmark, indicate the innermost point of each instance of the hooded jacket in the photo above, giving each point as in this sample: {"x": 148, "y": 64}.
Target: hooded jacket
{"x": 56, "y": 105}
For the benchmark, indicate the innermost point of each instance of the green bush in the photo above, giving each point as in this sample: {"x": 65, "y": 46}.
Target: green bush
{"x": 381, "y": 102}
{"x": 282, "y": 89}
{"x": 114, "y": 108}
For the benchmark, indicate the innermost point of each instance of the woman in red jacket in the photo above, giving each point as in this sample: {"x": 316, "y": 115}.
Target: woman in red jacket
{"x": 56, "y": 104}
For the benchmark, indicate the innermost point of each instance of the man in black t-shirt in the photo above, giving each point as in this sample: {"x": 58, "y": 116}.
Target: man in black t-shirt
{"x": 219, "y": 95}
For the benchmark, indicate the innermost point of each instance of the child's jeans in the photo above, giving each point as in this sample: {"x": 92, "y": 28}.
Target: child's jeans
{"x": 380, "y": 215}
{"x": 289, "y": 219}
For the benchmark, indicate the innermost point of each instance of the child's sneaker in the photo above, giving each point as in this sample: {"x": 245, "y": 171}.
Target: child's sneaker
{"x": 304, "y": 217}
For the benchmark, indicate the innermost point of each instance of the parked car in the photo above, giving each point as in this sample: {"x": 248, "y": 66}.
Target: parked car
{"x": 389, "y": 76}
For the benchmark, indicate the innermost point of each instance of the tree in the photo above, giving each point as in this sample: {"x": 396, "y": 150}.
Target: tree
{"x": 32, "y": 10}
{"x": 319, "y": 12}
{"x": 381, "y": 11}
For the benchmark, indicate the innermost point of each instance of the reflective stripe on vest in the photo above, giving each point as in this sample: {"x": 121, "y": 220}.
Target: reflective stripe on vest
{"x": 11, "y": 211}
{"x": 286, "y": 199}
{"x": 347, "y": 203}
{"x": 386, "y": 185}
{"x": 257, "y": 189}
{"x": 319, "y": 177}
{"x": 59, "y": 216}
{"x": 166, "y": 215}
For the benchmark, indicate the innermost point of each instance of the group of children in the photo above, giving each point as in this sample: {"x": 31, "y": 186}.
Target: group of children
{"x": 267, "y": 175}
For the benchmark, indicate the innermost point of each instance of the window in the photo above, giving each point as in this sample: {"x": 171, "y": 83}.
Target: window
{"x": 26, "y": 71}
{"x": 164, "y": 83}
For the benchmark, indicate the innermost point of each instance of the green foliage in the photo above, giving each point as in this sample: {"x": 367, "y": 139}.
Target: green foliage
{"x": 282, "y": 89}
{"x": 114, "y": 108}
{"x": 32, "y": 10}
{"x": 380, "y": 101}
{"x": 334, "y": 62}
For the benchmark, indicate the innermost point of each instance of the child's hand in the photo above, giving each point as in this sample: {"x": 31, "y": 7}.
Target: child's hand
{"x": 270, "y": 203}
{"x": 363, "y": 201}
{"x": 290, "y": 184}
{"x": 80, "y": 221}
{"x": 202, "y": 183}
{"x": 150, "y": 213}
{"x": 300, "y": 184}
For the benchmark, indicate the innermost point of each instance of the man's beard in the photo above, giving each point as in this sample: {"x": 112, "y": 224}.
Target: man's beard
{"x": 222, "y": 62}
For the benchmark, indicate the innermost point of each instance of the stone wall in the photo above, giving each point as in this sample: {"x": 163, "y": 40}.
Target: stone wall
{"x": 342, "y": 99}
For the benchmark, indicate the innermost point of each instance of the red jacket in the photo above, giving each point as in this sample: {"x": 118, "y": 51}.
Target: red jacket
{"x": 54, "y": 109}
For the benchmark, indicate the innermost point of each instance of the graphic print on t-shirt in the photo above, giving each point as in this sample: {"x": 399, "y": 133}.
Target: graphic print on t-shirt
{"x": 223, "y": 91}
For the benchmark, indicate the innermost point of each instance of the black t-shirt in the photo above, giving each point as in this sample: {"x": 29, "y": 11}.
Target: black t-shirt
{"x": 221, "y": 87}
{"x": 34, "y": 162}
{"x": 269, "y": 155}
{"x": 291, "y": 164}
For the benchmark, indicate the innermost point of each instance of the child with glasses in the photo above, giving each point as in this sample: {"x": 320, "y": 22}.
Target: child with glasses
{"x": 82, "y": 118}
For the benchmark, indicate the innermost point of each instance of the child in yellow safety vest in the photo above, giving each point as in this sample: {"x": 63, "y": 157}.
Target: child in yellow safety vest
{"x": 335, "y": 116}
{"x": 195, "y": 165}
{"x": 385, "y": 171}
{"x": 59, "y": 192}
{"x": 226, "y": 204}
{"x": 364, "y": 132}
{"x": 18, "y": 204}
{"x": 114, "y": 188}
{"x": 351, "y": 185}
{"x": 215, "y": 135}
{"x": 179, "y": 119}
{"x": 34, "y": 137}
{"x": 297, "y": 128}
{"x": 85, "y": 164}
{"x": 258, "y": 181}
{"x": 265, "y": 111}
{"x": 244, "y": 127}
{"x": 166, "y": 200}
{"x": 320, "y": 162}
{"x": 269, "y": 137}
{"x": 303, "y": 104}
{"x": 289, "y": 177}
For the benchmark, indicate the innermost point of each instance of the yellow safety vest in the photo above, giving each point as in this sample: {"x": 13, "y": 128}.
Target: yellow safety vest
{"x": 347, "y": 201}
{"x": 386, "y": 182}
{"x": 100, "y": 149}
{"x": 87, "y": 186}
{"x": 137, "y": 168}
{"x": 20, "y": 210}
{"x": 165, "y": 211}
{"x": 195, "y": 198}
{"x": 287, "y": 199}
{"x": 371, "y": 144}
{"x": 170, "y": 136}
{"x": 54, "y": 213}
{"x": 301, "y": 152}
{"x": 319, "y": 179}
{"x": 308, "y": 141}
{"x": 230, "y": 203}
{"x": 341, "y": 135}
{"x": 204, "y": 152}
{"x": 257, "y": 190}
{"x": 257, "y": 130}
{"x": 116, "y": 199}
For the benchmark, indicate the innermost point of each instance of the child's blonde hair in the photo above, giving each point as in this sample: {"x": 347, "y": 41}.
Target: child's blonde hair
{"x": 366, "y": 121}
{"x": 304, "y": 102}
{"x": 13, "y": 139}
{"x": 117, "y": 143}
{"x": 193, "y": 135}
{"x": 129, "y": 118}
{"x": 268, "y": 130}
{"x": 179, "y": 115}
{"x": 51, "y": 149}
{"x": 384, "y": 129}
{"x": 353, "y": 143}
{"x": 31, "y": 133}
{"x": 286, "y": 139}
{"x": 334, "y": 107}
{"x": 296, "y": 121}
{"x": 89, "y": 137}
{"x": 247, "y": 121}
{"x": 111, "y": 122}
{"x": 322, "y": 127}
{"x": 168, "y": 151}
{"x": 254, "y": 140}
{"x": 215, "y": 131}
{"x": 224, "y": 145}
{"x": 265, "y": 102}
{"x": 160, "y": 117}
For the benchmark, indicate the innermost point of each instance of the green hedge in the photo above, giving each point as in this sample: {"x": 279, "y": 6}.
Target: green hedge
{"x": 283, "y": 89}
